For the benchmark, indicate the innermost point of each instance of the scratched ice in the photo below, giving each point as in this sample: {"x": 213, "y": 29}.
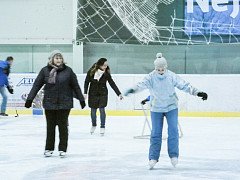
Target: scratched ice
{"x": 209, "y": 149}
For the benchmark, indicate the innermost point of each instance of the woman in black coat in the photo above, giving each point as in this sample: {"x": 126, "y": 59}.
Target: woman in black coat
{"x": 60, "y": 83}
{"x": 97, "y": 77}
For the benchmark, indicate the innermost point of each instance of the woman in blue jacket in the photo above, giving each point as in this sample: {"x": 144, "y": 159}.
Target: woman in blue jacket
{"x": 161, "y": 83}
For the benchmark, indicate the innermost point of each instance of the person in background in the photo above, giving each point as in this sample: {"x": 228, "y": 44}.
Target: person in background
{"x": 60, "y": 83}
{"x": 161, "y": 83}
{"x": 5, "y": 67}
{"x": 97, "y": 77}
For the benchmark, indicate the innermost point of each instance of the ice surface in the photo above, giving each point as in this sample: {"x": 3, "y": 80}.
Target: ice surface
{"x": 209, "y": 149}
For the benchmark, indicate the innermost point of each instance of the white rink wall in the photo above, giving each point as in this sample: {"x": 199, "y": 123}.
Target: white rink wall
{"x": 222, "y": 91}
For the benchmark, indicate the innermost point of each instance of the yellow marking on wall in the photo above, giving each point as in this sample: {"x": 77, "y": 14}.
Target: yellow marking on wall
{"x": 135, "y": 113}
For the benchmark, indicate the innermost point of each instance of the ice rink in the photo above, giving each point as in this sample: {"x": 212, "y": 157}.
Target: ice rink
{"x": 209, "y": 149}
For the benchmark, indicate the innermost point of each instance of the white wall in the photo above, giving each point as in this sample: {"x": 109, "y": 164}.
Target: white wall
{"x": 223, "y": 92}
{"x": 36, "y": 21}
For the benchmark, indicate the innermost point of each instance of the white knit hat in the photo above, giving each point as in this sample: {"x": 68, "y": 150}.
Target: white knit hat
{"x": 160, "y": 62}
{"x": 53, "y": 53}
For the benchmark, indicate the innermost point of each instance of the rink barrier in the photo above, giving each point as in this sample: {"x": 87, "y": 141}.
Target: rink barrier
{"x": 223, "y": 101}
{"x": 135, "y": 113}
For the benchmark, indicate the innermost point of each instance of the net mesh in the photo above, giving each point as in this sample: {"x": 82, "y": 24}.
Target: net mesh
{"x": 128, "y": 21}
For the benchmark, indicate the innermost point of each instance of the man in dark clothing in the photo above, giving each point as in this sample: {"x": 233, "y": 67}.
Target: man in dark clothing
{"x": 4, "y": 72}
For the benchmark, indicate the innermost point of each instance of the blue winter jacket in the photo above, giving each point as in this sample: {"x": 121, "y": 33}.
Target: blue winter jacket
{"x": 3, "y": 75}
{"x": 163, "y": 97}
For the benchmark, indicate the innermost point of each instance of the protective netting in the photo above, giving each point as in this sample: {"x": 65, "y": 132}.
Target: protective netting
{"x": 134, "y": 21}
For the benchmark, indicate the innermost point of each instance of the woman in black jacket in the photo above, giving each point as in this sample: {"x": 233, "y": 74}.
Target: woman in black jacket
{"x": 97, "y": 77}
{"x": 60, "y": 83}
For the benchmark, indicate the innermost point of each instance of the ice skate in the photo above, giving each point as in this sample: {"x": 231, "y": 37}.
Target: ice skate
{"x": 3, "y": 114}
{"x": 102, "y": 131}
{"x": 48, "y": 153}
{"x": 62, "y": 154}
{"x": 92, "y": 129}
{"x": 152, "y": 163}
{"x": 174, "y": 161}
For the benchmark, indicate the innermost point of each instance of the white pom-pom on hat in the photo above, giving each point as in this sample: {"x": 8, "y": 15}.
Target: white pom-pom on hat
{"x": 159, "y": 55}
{"x": 160, "y": 62}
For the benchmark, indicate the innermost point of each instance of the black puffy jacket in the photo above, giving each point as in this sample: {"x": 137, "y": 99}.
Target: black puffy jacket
{"x": 98, "y": 92}
{"x": 58, "y": 95}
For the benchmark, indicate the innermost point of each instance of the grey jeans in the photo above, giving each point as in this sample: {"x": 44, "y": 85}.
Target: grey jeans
{"x": 102, "y": 117}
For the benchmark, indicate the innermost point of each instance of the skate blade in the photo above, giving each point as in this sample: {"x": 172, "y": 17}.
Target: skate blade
{"x": 47, "y": 156}
{"x": 151, "y": 168}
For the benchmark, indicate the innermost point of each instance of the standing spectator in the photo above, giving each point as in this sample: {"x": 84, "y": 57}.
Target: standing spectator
{"x": 60, "y": 84}
{"x": 4, "y": 73}
{"x": 163, "y": 102}
{"x": 97, "y": 77}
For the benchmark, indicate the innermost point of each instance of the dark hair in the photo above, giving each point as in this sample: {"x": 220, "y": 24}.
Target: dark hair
{"x": 97, "y": 65}
{"x": 9, "y": 58}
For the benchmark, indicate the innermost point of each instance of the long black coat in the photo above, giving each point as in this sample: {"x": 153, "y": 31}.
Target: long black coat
{"x": 59, "y": 95}
{"x": 98, "y": 92}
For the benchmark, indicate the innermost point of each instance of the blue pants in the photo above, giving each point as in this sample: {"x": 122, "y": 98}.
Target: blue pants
{"x": 4, "y": 99}
{"x": 102, "y": 117}
{"x": 156, "y": 134}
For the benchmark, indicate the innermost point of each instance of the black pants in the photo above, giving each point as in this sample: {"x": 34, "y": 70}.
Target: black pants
{"x": 54, "y": 118}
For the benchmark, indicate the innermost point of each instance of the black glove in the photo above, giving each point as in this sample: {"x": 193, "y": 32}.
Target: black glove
{"x": 203, "y": 95}
{"x": 28, "y": 103}
{"x": 83, "y": 104}
{"x": 144, "y": 101}
{"x": 129, "y": 91}
{"x": 10, "y": 89}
